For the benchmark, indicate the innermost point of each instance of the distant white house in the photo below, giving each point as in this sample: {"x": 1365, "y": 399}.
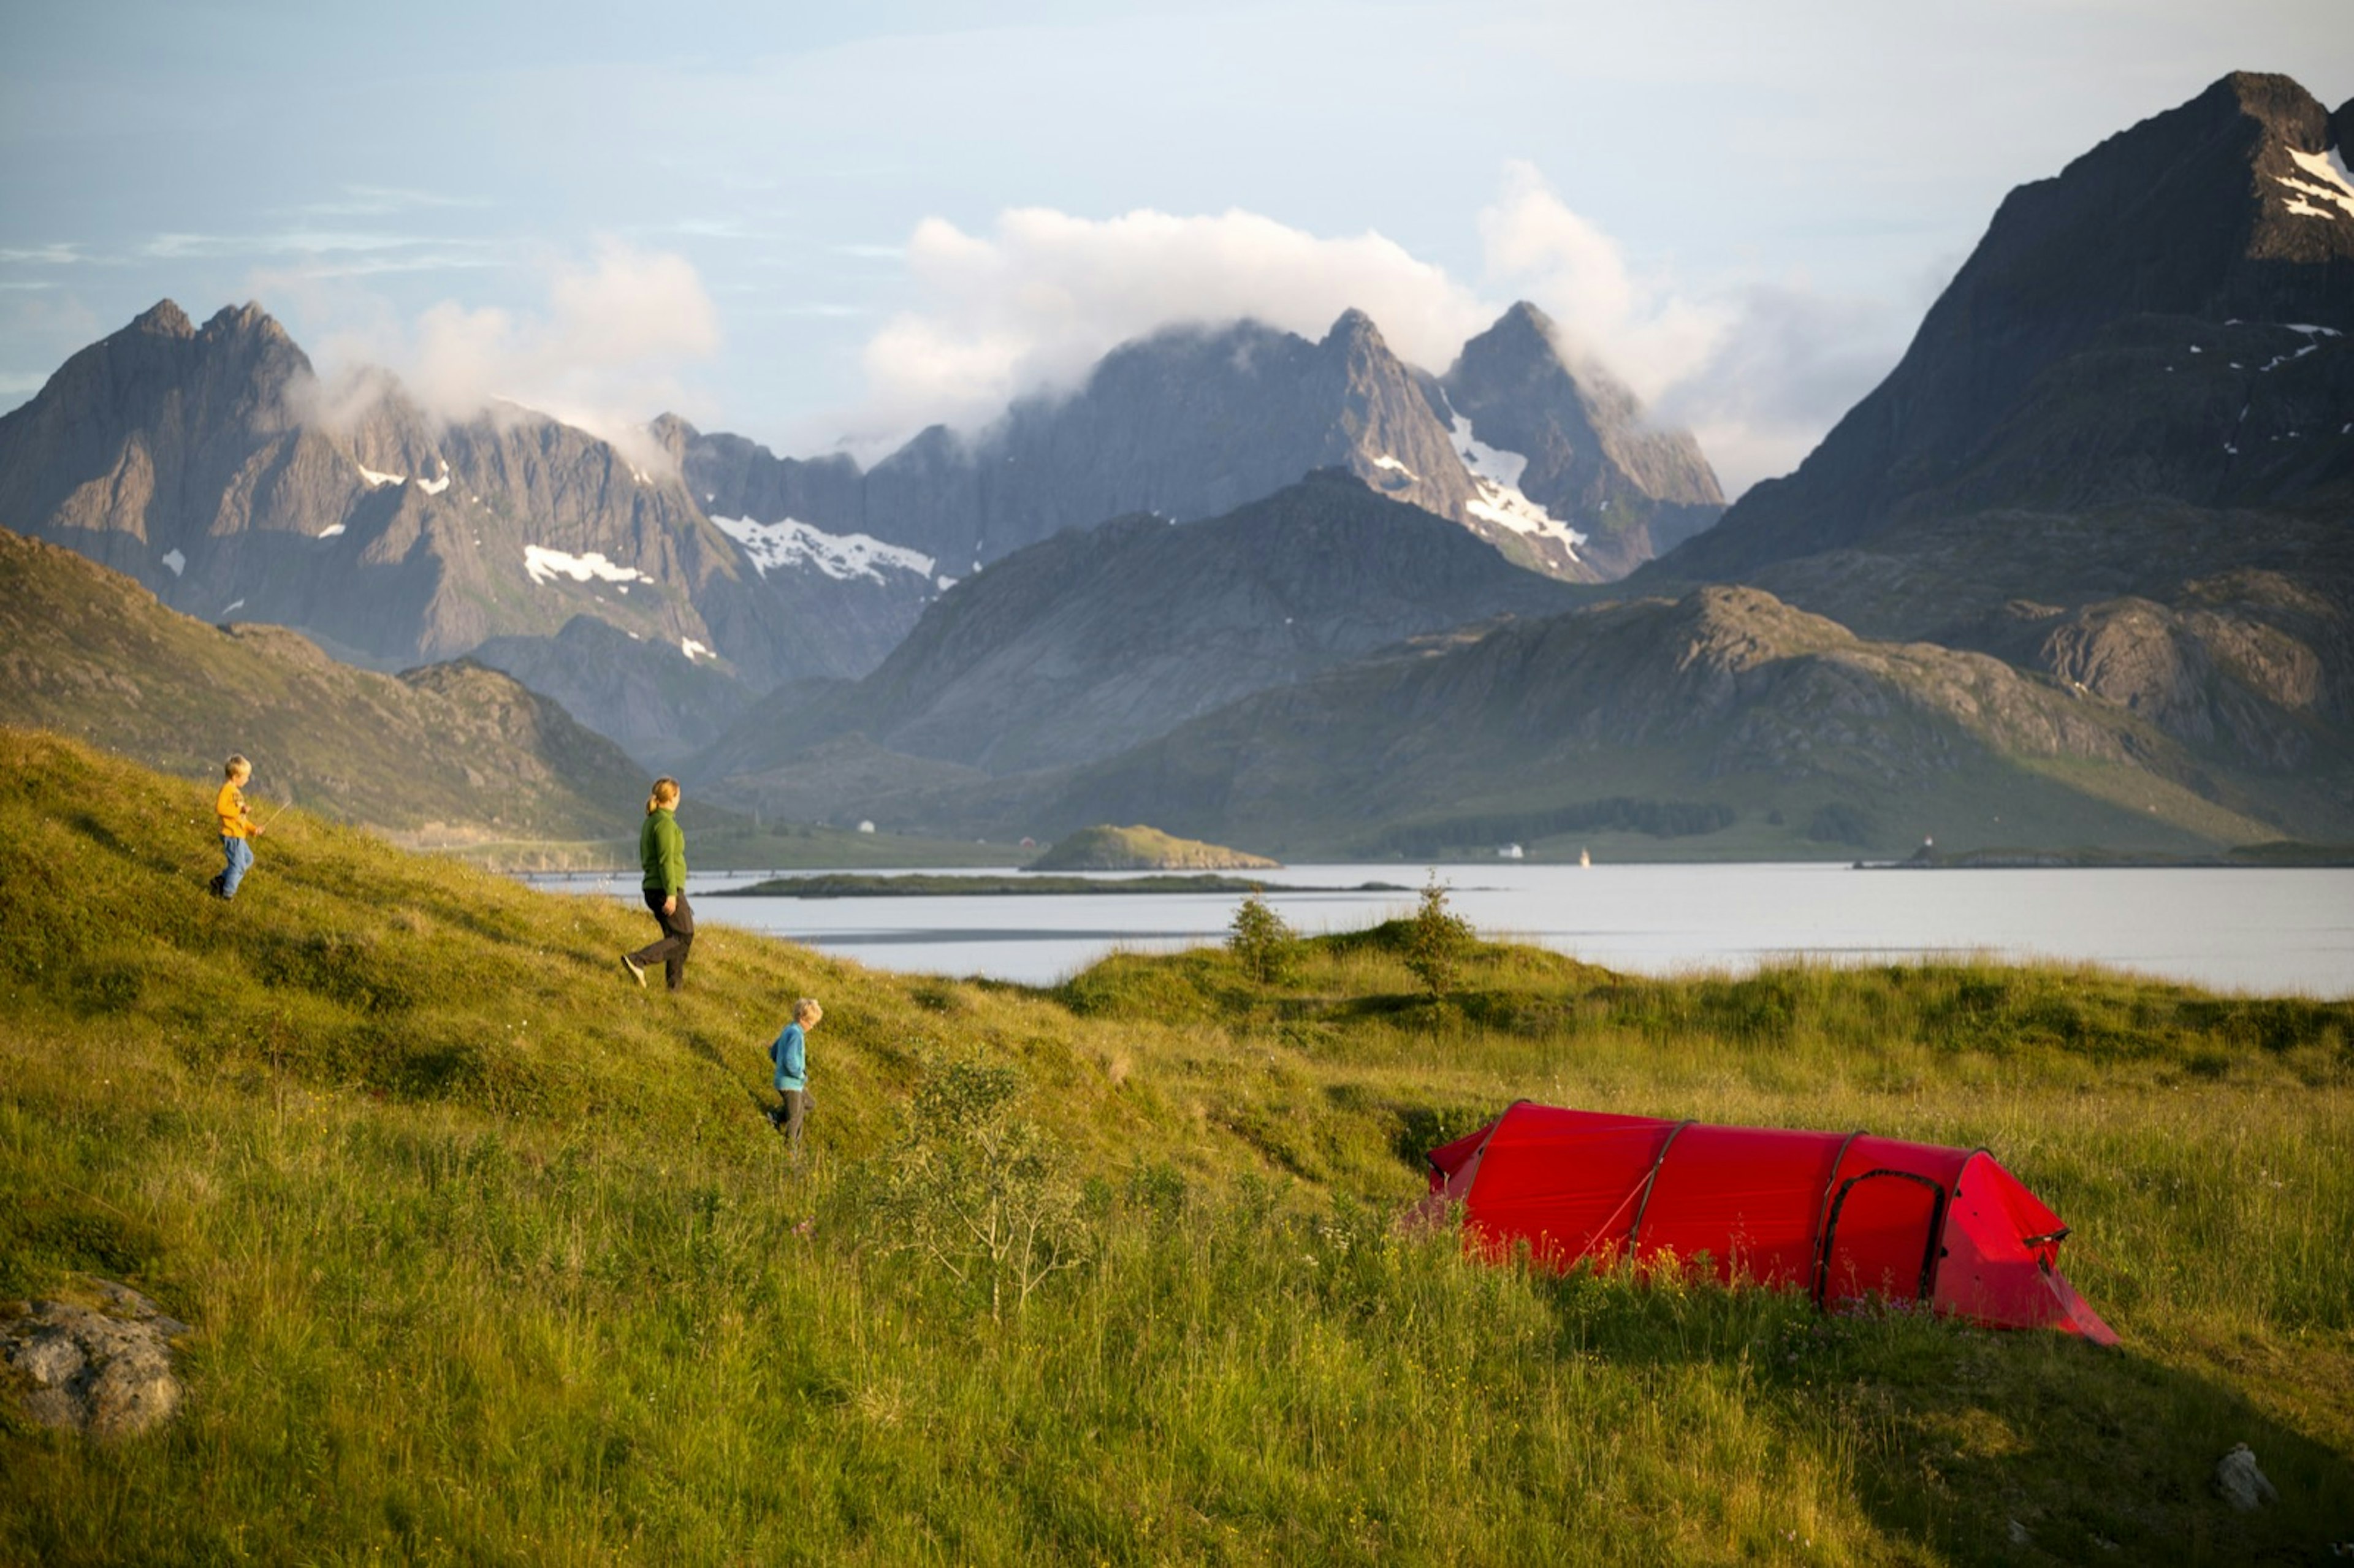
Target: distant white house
{"x": 1511, "y": 851}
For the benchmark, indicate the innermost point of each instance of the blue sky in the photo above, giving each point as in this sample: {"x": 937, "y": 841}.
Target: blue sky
{"x": 814, "y": 223}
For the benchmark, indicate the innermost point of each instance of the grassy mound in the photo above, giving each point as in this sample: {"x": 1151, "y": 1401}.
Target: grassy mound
{"x": 1107, "y": 848}
{"x": 491, "y": 1256}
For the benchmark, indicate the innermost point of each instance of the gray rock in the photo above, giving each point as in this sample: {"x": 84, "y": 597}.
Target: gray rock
{"x": 2240, "y": 1483}
{"x": 104, "y": 1371}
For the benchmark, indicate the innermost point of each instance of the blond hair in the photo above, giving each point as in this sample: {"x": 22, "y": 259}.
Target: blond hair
{"x": 236, "y": 764}
{"x": 664, "y": 793}
{"x": 807, "y": 1007}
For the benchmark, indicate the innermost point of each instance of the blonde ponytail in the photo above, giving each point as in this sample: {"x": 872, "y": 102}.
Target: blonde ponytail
{"x": 664, "y": 793}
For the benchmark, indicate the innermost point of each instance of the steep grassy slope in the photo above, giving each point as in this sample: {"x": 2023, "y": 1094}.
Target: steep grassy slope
{"x": 451, "y": 747}
{"x": 490, "y": 1256}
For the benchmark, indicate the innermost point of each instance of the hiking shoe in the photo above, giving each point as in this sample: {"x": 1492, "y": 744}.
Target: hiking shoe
{"x": 213, "y": 886}
{"x": 637, "y": 970}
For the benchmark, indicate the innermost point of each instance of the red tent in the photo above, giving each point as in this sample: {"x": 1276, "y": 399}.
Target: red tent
{"x": 1841, "y": 1216}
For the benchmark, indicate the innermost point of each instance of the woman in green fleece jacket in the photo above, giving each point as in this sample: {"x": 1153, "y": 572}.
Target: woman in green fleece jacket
{"x": 662, "y": 849}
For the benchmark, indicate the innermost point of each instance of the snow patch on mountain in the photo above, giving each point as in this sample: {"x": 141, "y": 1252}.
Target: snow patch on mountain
{"x": 329, "y": 531}
{"x": 177, "y": 561}
{"x": 1496, "y": 475}
{"x": 773, "y": 546}
{"x": 546, "y": 566}
{"x": 2333, "y": 185}
{"x": 694, "y": 650}
{"x": 1385, "y": 460}
{"x": 430, "y": 486}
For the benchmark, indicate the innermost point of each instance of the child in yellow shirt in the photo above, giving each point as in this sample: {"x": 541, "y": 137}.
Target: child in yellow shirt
{"x": 238, "y": 830}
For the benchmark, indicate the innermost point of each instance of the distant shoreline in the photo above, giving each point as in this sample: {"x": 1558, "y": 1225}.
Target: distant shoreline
{"x": 1018, "y": 882}
{"x": 2254, "y": 857}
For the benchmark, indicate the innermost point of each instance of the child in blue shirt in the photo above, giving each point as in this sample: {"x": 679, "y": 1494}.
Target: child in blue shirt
{"x": 790, "y": 1053}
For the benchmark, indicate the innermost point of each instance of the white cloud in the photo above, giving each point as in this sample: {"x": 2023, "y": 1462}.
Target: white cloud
{"x": 1045, "y": 295}
{"x": 604, "y": 353}
{"x": 1760, "y": 372}
{"x": 1649, "y": 335}
{"x": 1786, "y": 361}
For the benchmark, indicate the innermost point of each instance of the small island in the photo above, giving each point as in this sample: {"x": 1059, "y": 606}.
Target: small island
{"x": 1107, "y": 848}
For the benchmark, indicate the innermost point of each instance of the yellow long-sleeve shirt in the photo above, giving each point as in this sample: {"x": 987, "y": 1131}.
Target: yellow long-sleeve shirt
{"x": 236, "y": 820}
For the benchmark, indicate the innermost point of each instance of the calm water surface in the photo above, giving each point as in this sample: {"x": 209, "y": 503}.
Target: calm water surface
{"x": 2255, "y": 930}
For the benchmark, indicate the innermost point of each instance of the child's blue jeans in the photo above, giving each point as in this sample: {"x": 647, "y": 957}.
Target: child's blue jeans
{"x": 239, "y": 855}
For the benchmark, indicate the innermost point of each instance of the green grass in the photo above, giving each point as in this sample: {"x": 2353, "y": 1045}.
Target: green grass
{"x": 492, "y": 1258}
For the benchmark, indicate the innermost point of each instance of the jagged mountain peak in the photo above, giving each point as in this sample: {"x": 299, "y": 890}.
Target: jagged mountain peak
{"x": 2102, "y": 343}
{"x": 164, "y": 318}
{"x": 1571, "y": 438}
{"x": 248, "y": 320}
{"x": 1352, "y": 328}
{"x": 1524, "y": 325}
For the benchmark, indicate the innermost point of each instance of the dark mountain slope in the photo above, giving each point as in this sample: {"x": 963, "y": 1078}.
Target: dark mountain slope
{"x": 1726, "y": 697}
{"x": 2181, "y": 248}
{"x": 1101, "y": 638}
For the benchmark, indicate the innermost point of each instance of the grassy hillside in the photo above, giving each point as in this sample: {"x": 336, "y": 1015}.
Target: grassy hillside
{"x": 491, "y": 1256}
{"x": 451, "y": 753}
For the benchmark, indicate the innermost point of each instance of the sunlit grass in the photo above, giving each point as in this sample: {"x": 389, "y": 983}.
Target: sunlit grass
{"x": 491, "y": 1256}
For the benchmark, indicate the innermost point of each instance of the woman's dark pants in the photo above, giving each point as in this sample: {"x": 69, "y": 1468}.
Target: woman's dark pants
{"x": 792, "y": 1114}
{"x": 678, "y": 936}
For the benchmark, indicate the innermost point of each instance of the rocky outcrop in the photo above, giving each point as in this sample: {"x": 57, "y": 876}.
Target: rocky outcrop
{"x": 2216, "y": 675}
{"x": 104, "y": 1369}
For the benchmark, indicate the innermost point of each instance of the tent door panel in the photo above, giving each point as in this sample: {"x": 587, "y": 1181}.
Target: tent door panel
{"x": 1882, "y": 1238}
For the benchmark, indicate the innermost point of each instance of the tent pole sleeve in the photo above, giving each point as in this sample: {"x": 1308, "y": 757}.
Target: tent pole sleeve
{"x": 1635, "y": 1231}
{"x": 1929, "y": 1252}
{"x": 1494, "y": 1127}
{"x": 1823, "y": 1213}
{"x": 1936, "y": 1247}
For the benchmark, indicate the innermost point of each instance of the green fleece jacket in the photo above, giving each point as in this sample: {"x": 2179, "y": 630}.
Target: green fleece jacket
{"x": 662, "y": 849}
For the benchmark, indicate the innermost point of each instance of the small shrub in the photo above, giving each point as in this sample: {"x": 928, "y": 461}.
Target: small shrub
{"x": 980, "y": 1192}
{"x": 1437, "y": 941}
{"x": 1267, "y": 949}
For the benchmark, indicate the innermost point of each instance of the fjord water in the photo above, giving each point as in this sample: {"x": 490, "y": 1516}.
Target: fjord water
{"x": 2259, "y": 930}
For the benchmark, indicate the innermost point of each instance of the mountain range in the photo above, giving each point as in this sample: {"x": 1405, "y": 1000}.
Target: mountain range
{"x": 211, "y": 464}
{"x": 2079, "y": 570}
{"x": 1523, "y": 441}
{"x": 1100, "y": 639}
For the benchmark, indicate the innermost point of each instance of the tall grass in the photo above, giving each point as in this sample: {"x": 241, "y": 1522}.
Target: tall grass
{"x": 492, "y": 1258}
